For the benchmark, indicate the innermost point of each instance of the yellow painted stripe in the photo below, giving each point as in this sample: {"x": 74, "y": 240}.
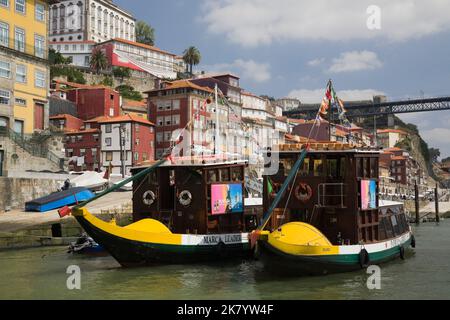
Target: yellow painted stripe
{"x": 155, "y": 233}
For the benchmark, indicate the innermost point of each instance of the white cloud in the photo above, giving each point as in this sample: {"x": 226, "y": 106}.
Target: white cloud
{"x": 316, "y": 96}
{"x": 316, "y": 62}
{"x": 260, "y": 22}
{"x": 248, "y": 69}
{"x": 355, "y": 61}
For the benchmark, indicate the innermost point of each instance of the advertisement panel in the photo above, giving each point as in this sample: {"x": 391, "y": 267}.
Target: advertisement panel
{"x": 226, "y": 198}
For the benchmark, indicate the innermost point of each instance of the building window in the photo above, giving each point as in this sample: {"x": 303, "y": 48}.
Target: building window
{"x": 109, "y": 156}
{"x": 39, "y": 79}
{"x": 39, "y": 46}
{"x": 168, "y": 136}
{"x": 144, "y": 156}
{"x": 137, "y": 141}
{"x": 5, "y": 96}
{"x": 136, "y": 127}
{"x": 21, "y": 102}
{"x": 20, "y": 6}
{"x": 40, "y": 12}
{"x": 108, "y": 128}
{"x": 4, "y": 3}
{"x": 4, "y": 34}
{"x": 20, "y": 39}
{"x": 176, "y": 119}
{"x": 108, "y": 142}
{"x": 18, "y": 126}
{"x": 159, "y": 137}
{"x": 136, "y": 156}
{"x": 5, "y": 69}
{"x": 21, "y": 73}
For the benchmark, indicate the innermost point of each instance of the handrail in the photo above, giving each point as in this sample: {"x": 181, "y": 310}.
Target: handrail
{"x": 282, "y": 190}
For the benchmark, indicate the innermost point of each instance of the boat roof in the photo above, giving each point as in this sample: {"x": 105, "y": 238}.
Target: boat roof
{"x": 194, "y": 162}
{"x": 325, "y": 147}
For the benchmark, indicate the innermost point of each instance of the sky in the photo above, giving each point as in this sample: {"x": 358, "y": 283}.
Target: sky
{"x": 290, "y": 48}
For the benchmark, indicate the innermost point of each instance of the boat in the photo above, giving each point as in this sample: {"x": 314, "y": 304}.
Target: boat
{"x": 325, "y": 215}
{"x": 187, "y": 212}
{"x": 91, "y": 180}
{"x": 59, "y": 199}
{"x": 87, "y": 246}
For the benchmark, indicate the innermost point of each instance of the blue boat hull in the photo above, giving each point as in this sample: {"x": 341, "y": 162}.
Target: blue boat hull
{"x": 59, "y": 203}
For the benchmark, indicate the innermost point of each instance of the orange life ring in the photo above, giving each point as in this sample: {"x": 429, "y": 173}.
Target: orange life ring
{"x": 303, "y": 192}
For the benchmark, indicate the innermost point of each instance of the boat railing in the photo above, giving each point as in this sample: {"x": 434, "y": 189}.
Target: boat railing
{"x": 332, "y": 195}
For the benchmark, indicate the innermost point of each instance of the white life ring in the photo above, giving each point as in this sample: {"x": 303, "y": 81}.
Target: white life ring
{"x": 185, "y": 198}
{"x": 149, "y": 197}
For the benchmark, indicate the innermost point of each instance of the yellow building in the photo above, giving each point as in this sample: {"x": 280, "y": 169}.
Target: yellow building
{"x": 24, "y": 69}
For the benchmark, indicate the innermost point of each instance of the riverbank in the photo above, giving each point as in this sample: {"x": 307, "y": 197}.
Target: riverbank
{"x": 19, "y": 229}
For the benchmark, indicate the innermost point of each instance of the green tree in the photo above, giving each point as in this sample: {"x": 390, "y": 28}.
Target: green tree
{"x": 192, "y": 57}
{"x": 56, "y": 58}
{"x": 98, "y": 61}
{"x": 107, "y": 81}
{"x": 128, "y": 92}
{"x": 122, "y": 73}
{"x": 145, "y": 33}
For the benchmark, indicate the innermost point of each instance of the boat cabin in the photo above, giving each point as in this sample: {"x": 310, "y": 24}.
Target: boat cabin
{"x": 337, "y": 191}
{"x": 195, "y": 197}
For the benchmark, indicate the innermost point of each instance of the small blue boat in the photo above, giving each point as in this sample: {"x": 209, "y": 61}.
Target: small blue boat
{"x": 59, "y": 199}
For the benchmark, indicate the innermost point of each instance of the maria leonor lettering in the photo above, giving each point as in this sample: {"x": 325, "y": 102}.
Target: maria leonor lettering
{"x": 226, "y": 238}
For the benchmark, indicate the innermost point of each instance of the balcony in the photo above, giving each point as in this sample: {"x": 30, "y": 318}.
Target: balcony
{"x": 24, "y": 48}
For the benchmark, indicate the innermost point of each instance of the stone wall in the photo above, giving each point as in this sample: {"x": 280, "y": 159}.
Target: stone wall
{"x": 14, "y": 192}
{"x": 17, "y": 159}
{"x": 138, "y": 81}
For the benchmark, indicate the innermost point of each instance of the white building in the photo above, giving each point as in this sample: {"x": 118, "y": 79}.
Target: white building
{"x": 79, "y": 51}
{"x": 267, "y": 127}
{"x": 89, "y": 20}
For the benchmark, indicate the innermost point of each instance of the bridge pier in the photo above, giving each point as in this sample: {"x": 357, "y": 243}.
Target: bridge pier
{"x": 390, "y": 120}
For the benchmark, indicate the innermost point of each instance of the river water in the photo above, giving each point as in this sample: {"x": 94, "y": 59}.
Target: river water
{"x": 41, "y": 274}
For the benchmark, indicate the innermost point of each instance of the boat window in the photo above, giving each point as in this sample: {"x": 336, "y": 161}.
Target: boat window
{"x": 172, "y": 177}
{"x": 373, "y": 168}
{"x": 359, "y": 167}
{"x": 318, "y": 167}
{"x": 395, "y": 225}
{"x": 365, "y": 168}
{"x": 388, "y": 227}
{"x": 287, "y": 165}
{"x": 382, "y": 229}
{"x": 343, "y": 167}
{"x": 212, "y": 176}
{"x": 332, "y": 168}
{"x": 225, "y": 174}
{"x": 236, "y": 174}
{"x": 152, "y": 178}
{"x": 304, "y": 170}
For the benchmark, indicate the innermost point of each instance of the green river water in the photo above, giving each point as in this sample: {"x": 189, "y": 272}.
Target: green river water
{"x": 40, "y": 273}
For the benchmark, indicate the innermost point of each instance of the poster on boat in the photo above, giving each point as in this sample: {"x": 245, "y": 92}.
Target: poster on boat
{"x": 368, "y": 194}
{"x": 226, "y": 198}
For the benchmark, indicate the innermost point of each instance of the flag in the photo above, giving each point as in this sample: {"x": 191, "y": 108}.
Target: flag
{"x": 269, "y": 186}
{"x": 341, "y": 104}
{"x": 324, "y": 107}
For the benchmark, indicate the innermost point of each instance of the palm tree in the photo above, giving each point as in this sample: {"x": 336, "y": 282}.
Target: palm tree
{"x": 98, "y": 60}
{"x": 191, "y": 57}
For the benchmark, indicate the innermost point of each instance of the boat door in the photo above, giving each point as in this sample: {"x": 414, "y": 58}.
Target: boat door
{"x": 167, "y": 195}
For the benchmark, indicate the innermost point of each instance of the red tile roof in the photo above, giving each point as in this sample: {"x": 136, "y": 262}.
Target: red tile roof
{"x": 126, "y": 118}
{"x": 145, "y": 46}
{"x": 182, "y": 84}
{"x": 391, "y": 131}
{"x": 83, "y": 131}
{"x": 63, "y": 116}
